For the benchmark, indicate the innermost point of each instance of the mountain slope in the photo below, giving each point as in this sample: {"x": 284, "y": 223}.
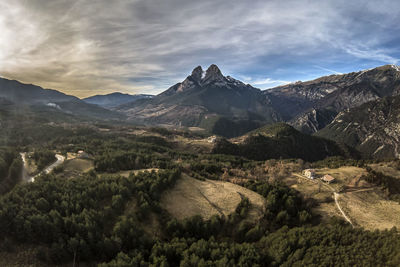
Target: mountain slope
{"x": 21, "y": 93}
{"x": 34, "y": 98}
{"x": 373, "y": 128}
{"x": 114, "y": 100}
{"x": 202, "y": 99}
{"x": 300, "y": 102}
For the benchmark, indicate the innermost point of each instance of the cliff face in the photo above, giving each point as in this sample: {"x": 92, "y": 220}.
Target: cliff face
{"x": 313, "y": 120}
{"x": 373, "y": 128}
{"x": 332, "y": 94}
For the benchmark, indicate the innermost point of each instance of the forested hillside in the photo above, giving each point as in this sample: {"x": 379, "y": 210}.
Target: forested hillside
{"x": 109, "y": 218}
{"x": 282, "y": 141}
{"x": 10, "y": 168}
{"x": 106, "y": 219}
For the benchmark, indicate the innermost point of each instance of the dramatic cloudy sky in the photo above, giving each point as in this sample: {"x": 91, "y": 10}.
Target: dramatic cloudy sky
{"x": 86, "y": 47}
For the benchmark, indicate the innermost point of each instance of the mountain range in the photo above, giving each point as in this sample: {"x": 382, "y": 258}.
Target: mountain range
{"x": 346, "y": 108}
{"x": 226, "y": 106}
{"x": 18, "y": 95}
{"x": 21, "y": 93}
{"x": 114, "y": 100}
{"x": 372, "y": 128}
{"x": 314, "y": 104}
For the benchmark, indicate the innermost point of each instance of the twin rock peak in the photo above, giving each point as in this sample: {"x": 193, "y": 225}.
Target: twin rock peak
{"x": 212, "y": 74}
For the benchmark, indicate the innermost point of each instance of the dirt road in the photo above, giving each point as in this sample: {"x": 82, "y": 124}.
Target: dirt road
{"x": 336, "y": 196}
{"x": 48, "y": 169}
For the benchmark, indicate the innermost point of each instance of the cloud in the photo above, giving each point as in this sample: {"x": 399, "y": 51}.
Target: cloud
{"x": 85, "y": 47}
{"x": 370, "y": 53}
{"x": 268, "y": 81}
{"x": 329, "y": 70}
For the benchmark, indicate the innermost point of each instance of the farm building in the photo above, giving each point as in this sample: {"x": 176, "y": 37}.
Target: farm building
{"x": 309, "y": 173}
{"x": 83, "y": 155}
{"x": 328, "y": 178}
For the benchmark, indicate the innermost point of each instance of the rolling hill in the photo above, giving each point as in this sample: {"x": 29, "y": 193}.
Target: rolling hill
{"x": 281, "y": 141}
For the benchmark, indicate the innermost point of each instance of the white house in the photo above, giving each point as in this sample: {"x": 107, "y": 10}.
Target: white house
{"x": 309, "y": 173}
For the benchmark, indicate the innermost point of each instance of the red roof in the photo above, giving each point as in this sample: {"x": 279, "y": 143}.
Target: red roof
{"x": 328, "y": 178}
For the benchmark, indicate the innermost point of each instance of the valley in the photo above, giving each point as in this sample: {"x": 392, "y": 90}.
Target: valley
{"x": 157, "y": 179}
{"x": 163, "y": 133}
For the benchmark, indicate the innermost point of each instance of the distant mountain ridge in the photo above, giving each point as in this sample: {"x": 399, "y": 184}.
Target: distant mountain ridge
{"x": 17, "y": 94}
{"x": 114, "y": 100}
{"x": 329, "y": 95}
{"x": 21, "y": 93}
{"x": 373, "y": 128}
{"x": 223, "y": 105}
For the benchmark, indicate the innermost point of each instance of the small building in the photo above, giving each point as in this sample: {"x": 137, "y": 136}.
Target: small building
{"x": 309, "y": 173}
{"x": 212, "y": 139}
{"x": 328, "y": 178}
{"x": 83, "y": 155}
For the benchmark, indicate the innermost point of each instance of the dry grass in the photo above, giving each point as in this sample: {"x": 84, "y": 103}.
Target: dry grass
{"x": 322, "y": 193}
{"x": 386, "y": 168}
{"x": 192, "y": 197}
{"x": 365, "y": 204}
{"x": 315, "y": 190}
{"x": 196, "y": 129}
{"x": 370, "y": 209}
{"x": 79, "y": 165}
{"x": 180, "y": 142}
{"x": 327, "y": 210}
{"x": 127, "y": 173}
{"x": 344, "y": 176}
{"x": 196, "y": 144}
{"x": 308, "y": 188}
{"x": 71, "y": 155}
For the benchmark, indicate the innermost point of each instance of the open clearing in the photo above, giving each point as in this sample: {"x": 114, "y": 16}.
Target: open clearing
{"x": 369, "y": 209}
{"x": 364, "y": 204}
{"x": 315, "y": 190}
{"x": 386, "y": 169}
{"x": 127, "y": 173}
{"x": 344, "y": 176}
{"x": 79, "y": 165}
{"x": 192, "y": 197}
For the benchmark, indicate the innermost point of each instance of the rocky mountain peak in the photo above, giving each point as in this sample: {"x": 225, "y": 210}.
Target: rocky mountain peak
{"x": 395, "y": 67}
{"x": 197, "y": 74}
{"x": 213, "y": 74}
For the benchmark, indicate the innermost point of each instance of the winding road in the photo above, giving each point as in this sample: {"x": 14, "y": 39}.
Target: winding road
{"x": 48, "y": 169}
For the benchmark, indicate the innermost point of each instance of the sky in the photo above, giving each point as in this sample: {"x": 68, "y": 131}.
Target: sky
{"x": 88, "y": 47}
